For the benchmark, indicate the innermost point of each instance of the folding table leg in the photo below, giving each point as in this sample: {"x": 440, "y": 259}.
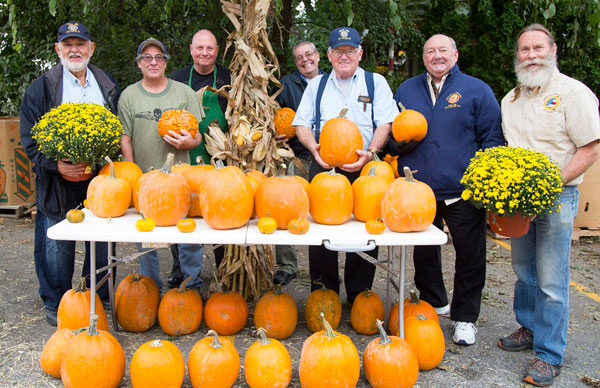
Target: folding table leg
{"x": 92, "y": 279}
{"x": 111, "y": 285}
{"x": 389, "y": 276}
{"x": 401, "y": 300}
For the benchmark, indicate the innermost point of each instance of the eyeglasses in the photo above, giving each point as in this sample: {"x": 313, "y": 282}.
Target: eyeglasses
{"x": 148, "y": 58}
{"x": 307, "y": 55}
{"x": 349, "y": 53}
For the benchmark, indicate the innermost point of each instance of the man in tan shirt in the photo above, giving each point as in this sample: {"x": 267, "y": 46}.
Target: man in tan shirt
{"x": 558, "y": 116}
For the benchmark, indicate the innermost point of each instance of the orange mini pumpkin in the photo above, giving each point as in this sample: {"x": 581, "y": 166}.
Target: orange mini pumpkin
{"x": 175, "y": 120}
{"x": 375, "y": 226}
{"x": 331, "y": 198}
{"x": 187, "y": 225}
{"x": 298, "y": 226}
{"x": 409, "y": 125}
{"x": 283, "y": 122}
{"x": 339, "y": 140}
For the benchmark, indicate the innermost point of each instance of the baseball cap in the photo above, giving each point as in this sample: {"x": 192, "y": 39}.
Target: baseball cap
{"x": 73, "y": 29}
{"x": 151, "y": 42}
{"x": 344, "y": 36}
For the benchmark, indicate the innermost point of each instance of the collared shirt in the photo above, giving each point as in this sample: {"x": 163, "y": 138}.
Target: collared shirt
{"x": 555, "y": 119}
{"x": 73, "y": 91}
{"x": 333, "y": 101}
{"x": 439, "y": 86}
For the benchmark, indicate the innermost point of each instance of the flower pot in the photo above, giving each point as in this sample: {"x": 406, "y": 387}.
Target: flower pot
{"x": 83, "y": 177}
{"x": 509, "y": 226}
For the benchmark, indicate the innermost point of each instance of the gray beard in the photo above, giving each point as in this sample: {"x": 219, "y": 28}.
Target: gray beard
{"x": 535, "y": 78}
{"x": 74, "y": 67}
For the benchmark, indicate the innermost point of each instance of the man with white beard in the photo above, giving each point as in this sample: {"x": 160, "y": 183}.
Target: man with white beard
{"x": 73, "y": 80}
{"x": 558, "y": 116}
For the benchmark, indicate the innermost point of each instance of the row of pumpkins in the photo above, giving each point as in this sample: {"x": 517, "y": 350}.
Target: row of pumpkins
{"x": 89, "y": 356}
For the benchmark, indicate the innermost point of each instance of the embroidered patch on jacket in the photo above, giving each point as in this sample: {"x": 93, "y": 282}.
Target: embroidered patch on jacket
{"x": 452, "y": 99}
{"x": 551, "y": 102}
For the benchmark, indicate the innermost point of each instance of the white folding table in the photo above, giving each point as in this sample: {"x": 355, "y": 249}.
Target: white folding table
{"x": 349, "y": 237}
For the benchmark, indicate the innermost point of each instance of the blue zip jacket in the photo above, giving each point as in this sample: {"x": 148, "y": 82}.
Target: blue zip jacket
{"x": 465, "y": 119}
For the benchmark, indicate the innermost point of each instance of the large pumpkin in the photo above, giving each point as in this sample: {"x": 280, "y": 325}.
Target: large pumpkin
{"x": 283, "y": 198}
{"x": 331, "y": 198}
{"x": 382, "y": 168}
{"x": 74, "y": 309}
{"x": 390, "y": 362}
{"x": 368, "y": 191}
{"x": 175, "y": 120}
{"x": 267, "y": 363}
{"x": 426, "y": 339}
{"x": 136, "y": 303}
{"x": 276, "y": 311}
{"x": 193, "y": 175}
{"x": 283, "y": 122}
{"x": 328, "y": 359}
{"x": 226, "y": 312}
{"x": 127, "y": 170}
{"x": 157, "y": 364}
{"x": 366, "y": 310}
{"x": 213, "y": 363}
{"x": 54, "y": 351}
{"x": 408, "y": 205}
{"x": 108, "y": 195}
{"x": 180, "y": 310}
{"x": 322, "y": 301}
{"x": 409, "y": 125}
{"x": 93, "y": 359}
{"x": 339, "y": 140}
{"x": 226, "y": 197}
{"x": 164, "y": 196}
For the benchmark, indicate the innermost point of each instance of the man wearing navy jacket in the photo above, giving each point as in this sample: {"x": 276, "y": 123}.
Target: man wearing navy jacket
{"x": 463, "y": 116}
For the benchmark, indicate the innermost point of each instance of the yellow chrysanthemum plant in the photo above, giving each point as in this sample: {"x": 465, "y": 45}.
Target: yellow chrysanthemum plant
{"x": 84, "y": 133}
{"x": 510, "y": 180}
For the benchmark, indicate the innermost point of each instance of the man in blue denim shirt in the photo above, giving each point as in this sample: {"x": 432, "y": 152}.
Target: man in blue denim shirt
{"x": 557, "y": 116}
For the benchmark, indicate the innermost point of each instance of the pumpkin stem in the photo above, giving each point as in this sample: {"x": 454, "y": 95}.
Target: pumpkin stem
{"x": 166, "y": 168}
{"x": 375, "y": 157}
{"x": 342, "y": 114}
{"x": 320, "y": 283}
{"x": 80, "y": 287}
{"x": 277, "y": 289}
{"x": 199, "y": 161}
{"x": 155, "y": 344}
{"x": 332, "y": 172}
{"x": 329, "y": 333}
{"x": 183, "y": 283}
{"x": 402, "y": 107}
{"x": 262, "y": 332}
{"x": 422, "y": 317}
{"x": 111, "y": 173}
{"x": 92, "y": 330}
{"x": 414, "y": 299}
{"x": 384, "y": 337}
{"x": 408, "y": 175}
{"x": 216, "y": 344}
{"x": 368, "y": 292}
{"x": 219, "y": 163}
{"x": 372, "y": 171}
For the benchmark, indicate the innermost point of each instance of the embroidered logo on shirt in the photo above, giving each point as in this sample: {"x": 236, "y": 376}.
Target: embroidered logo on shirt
{"x": 551, "y": 102}
{"x": 452, "y": 99}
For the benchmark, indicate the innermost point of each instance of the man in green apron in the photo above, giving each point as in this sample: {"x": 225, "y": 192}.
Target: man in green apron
{"x": 204, "y": 71}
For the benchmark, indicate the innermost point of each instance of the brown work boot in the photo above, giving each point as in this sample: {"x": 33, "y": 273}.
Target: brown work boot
{"x": 521, "y": 339}
{"x": 540, "y": 373}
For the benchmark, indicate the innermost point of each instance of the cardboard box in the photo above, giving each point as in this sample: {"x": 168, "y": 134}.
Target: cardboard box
{"x": 17, "y": 182}
{"x": 588, "y": 214}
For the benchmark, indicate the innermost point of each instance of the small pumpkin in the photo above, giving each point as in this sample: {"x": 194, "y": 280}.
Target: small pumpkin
{"x": 339, "y": 140}
{"x": 175, "y": 120}
{"x": 283, "y": 122}
{"x": 366, "y": 310}
{"x": 409, "y": 125}
{"x": 145, "y": 224}
{"x": 267, "y": 224}
{"x": 326, "y": 301}
{"x": 127, "y": 170}
{"x": 213, "y": 363}
{"x": 108, "y": 195}
{"x": 75, "y": 216}
{"x": 136, "y": 303}
{"x": 267, "y": 363}
{"x": 375, "y": 226}
{"x": 74, "y": 309}
{"x": 331, "y": 198}
{"x": 226, "y": 312}
{"x": 180, "y": 310}
{"x": 277, "y": 313}
{"x": 298, "y": 226}
{"x": 368, "y": 191}
{"x": 426, "y": 339}
{"x": 157, "y": 363}
{"x": 390, "y": 361}
{"x": 186, "y": 225}
{"x": 54, "y": 351}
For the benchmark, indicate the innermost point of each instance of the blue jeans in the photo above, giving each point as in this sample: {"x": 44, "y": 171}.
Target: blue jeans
{"x": 55, "y": 264}
{"x": 541, "y": 261}
{"x": 190, "y": 257}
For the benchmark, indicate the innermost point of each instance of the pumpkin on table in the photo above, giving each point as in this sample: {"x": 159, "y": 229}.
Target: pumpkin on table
{"x": 368, "y": 190}
{"x": 339, "y": 140}
{"x": 157, "y": 364}
{"x": 322, "y": 301}
{"x": 283, "y": 198}
{"x": 366, "y": 310}
{"x": 277, "y": 313}
{"x": 180, "y": 310}
{"x": 213, "y": 363}
{"x": 426, "y": 339}
{"x": 382, "y": 168}
{"x": 127, "y": 170}
{"x": 267, "y": 363}
{"x": 107, "y": 195}
{"x": 136, "y": 303}
{"x": 193, "y": 175}
{"x": 331, "y": 198}
{"x": 54, "y": 351}
{"x": 75, "y": 216}
{"x": 74, "y": 309}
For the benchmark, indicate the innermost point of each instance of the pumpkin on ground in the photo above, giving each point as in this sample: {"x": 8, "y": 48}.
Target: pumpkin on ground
{"x": 54, "y": 351}
{"x": 283, "y": 198}
{"x": 213, "y": 363}
{"x": 108, "y": 195}
{"x": 366, "y": 310}
{"x": 331, "y": 198}
{"x": 283, "y": 122}
{"x": 382, "y": 168}
{"x": 325, "y": 301}
{"x": 339, "y": 140}
{"x": 409, "y": 125}
{"x": 180, "y": 310}
{"x": 175, "y": 120}
{"x": 127, "y": 170}
{"x": 267, "y": 363}
{"x": 368, "y": 191}
{"x": 412, "y": 306}
{"x": 426, "y": 339}
{"x": 93, "y": 359}
{"x": 277, "y": 313}
{"x": 157, "y": 364}
{"x": 136, "y": 303}
{"x": 226, "y": 312}
{"x": 164, "y": 196}
{"x": 328, "y": 359}
{"x": 74, "y": 309}
{"x": 408, "y": 205}
{"x": 390, "y": 362}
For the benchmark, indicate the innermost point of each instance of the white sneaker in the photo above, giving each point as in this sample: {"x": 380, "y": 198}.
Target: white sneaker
{"x": 464, "y": 333}
{"x": 444, "y": 310}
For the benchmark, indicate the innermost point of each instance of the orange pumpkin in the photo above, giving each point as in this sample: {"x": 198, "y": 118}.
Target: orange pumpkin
{"x": 409, "y": 125}
{"x": 283, "y": 198}
{"x": 267, "y": 224}
{"x": 136, "y": 303}
{"x": 179, "y": 167}
{"x": 259, "y": 176}
{"x": 276, "y": 312}
{"x": 412, "y": 306}
{"x": 193, "y": 175}
{"x": 381, "y": 168}
{"x": 157, "y": 364}
{"x": 298, "y": 226}
{"x": 74, "y": 309}
{"x": 226, "y": 197}
{"x": 326, "y": 301}
{"x": 393, "y": 162}
{"x": 408, "y": 205}
{"x": 175, "y": 120}
{"x": 426, "y": 339}
{"x": 164, "y": 196}
{"x": 75, "y": 216}
{"x": 127, "y": 170}
{"x": 368, "y": 191}
{"x": 375, "y": 226}
{"x": 328, "y": 359}
{"x": 390, "y": 362}
{"x": 302, "y": 181}
{"x": 283, "y": 122}
{"x": 331, "y": 198}
{"x": 366, "y": 310}
{"x": 226, "y": 312}
{"x": 93, "y": 359}
{"x": 107, "y": 195}
{"x": 180, "y": 310}
{"x": 267, "y": 363}
{"x": 339, "y": 140}
{"x": 54, "y": 351}
{"x": 187, "y": 225}
{"x": 213, "y": 363}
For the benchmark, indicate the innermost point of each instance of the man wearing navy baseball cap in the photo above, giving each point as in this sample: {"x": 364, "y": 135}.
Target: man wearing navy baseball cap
{"x": 73, "y": 80}
{"x": 371, "y": 107}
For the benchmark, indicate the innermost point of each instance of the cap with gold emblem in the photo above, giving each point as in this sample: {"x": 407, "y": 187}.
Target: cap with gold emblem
{"x": 344, "y": 36}
{"x": 73, "y": 29}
